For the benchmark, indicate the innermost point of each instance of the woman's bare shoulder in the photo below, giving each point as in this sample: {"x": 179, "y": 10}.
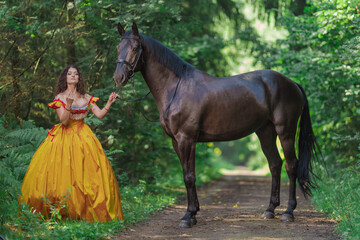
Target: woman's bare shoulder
{"x": 88, "y": 96}
{"x": 60, "y": 96}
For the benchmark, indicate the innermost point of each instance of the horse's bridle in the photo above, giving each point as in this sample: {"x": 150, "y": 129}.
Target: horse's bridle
{"x": 131, "y": 72}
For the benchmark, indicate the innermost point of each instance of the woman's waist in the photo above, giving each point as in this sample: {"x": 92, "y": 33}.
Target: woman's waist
{"x": 71, "y": 124}
{"x": 74, "y": 121}
{"x": 73, "y": 127}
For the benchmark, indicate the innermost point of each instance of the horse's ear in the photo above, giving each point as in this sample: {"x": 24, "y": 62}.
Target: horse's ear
{"x": 121, "y": 30}
{"x": 135, "y": 29}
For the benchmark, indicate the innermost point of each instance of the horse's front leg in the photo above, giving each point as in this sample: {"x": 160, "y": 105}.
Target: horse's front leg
{"x": 185, "y": 149}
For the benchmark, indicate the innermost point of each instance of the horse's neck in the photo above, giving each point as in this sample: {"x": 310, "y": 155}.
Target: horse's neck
{"x": 161, "y": 82}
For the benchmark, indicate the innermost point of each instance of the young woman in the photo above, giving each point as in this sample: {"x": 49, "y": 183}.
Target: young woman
{"x": 70, "y": 170}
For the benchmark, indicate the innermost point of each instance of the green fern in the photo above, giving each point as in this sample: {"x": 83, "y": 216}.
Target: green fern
{"x": 18, "y": 143}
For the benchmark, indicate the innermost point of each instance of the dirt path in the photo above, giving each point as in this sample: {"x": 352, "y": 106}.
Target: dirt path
{"x": 230, "y": 208}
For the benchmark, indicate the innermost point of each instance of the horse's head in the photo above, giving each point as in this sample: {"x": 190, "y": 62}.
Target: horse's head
{"x": 129, "y": 51}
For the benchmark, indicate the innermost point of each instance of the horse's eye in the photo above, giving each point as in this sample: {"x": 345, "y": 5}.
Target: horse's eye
{"x": 135, "y": 49}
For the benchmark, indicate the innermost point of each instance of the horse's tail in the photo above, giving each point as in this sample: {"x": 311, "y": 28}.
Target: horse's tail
{"x": 308, "y": 149}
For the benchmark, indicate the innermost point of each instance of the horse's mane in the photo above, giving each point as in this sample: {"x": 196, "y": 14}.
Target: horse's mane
{"x": 167, "y": 57}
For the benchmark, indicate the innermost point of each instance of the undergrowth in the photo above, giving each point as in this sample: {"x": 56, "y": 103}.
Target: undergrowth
{"x": 338, "y": 197}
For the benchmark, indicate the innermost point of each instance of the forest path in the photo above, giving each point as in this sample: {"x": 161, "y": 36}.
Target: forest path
{"x": 231, "y": 208}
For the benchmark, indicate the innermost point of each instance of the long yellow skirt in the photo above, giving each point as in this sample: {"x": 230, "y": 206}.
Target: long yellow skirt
{"x": 71, "y": 171}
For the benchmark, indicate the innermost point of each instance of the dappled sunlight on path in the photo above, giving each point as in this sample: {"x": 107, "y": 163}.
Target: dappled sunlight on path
{"x": 231, "y": 208}
{"x": 244, "y": 171}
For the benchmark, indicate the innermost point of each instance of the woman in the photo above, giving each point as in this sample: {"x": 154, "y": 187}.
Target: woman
{"x": 70, "y": 170}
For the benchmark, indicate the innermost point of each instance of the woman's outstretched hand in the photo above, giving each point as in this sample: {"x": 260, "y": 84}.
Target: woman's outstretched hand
{"x": 112, "y": 97}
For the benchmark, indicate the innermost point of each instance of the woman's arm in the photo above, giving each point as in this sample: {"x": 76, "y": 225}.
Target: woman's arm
{"x": 64, "y": 112}
{"x": 64, "y": 115}
{"x": 100, "y": 113}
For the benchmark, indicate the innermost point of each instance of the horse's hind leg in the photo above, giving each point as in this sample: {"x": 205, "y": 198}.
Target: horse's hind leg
{"x": 287, "y": 138}
{"x": 267, "y": 136}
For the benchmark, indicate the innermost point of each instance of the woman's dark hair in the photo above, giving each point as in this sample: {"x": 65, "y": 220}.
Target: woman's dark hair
{"x": 61, "y": 84}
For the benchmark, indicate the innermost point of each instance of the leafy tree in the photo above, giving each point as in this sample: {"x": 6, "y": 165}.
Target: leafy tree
{"x": 321, "y": 53}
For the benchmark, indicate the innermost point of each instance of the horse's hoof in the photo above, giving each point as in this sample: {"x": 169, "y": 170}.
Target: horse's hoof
{"x": 268, "y": 215}
{"x": 287, "y": 217}
{"x": 193, "y": 221}
{"x": 186, "y": 224}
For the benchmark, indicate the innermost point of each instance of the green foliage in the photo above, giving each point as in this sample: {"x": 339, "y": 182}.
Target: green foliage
{"x": 18, "y": 142}
{"x": 245, "y": 151}
{"x": 321, "y": 53}
{"x": 141, "y": 200}
{"x": 277, "y": 8}
{"x": 339, "y": 198}
{"x": 32, "y": 225}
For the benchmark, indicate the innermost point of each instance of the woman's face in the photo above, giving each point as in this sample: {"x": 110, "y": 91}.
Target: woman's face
{"x": 72, "y": 76}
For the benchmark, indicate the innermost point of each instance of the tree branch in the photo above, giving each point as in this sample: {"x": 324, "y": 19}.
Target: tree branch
{"x": 7, "y": 53}
{"x": 48, "y": 45}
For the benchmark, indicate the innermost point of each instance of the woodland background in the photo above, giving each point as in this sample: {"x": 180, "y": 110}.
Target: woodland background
{"x": 316, "y": 43}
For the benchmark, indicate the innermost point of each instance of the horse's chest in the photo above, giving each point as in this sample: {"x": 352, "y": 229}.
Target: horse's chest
{"x": 170, "y": 127}
{"x": 166, "y": 127}
{"x": 180, "y": 122}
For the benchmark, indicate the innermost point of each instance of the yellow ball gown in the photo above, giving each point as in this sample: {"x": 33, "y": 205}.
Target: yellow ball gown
{"x": 71, "y": 169}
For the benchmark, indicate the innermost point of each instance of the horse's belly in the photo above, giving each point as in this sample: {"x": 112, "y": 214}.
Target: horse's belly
{"x": 228, "y": 135}
{"x": 222, "y": 137}
{"x": 226, "y": 127}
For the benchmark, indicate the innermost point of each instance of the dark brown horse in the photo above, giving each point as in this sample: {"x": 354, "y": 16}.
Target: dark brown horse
{"x": 196, "y": 107}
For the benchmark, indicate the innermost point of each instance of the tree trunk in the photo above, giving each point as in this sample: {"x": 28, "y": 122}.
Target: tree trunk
{"x": 71, "y": 56}
{"x": 297, "y": 7}
{"x": 70, "y": 44}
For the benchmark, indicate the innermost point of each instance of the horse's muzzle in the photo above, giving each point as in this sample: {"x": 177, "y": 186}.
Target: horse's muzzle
{"x": 120, "y": 79}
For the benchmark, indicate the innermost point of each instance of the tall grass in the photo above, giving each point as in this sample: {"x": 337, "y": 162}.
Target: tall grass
{"x": 138, "y": 204}
{"x": 339, "y": 197}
